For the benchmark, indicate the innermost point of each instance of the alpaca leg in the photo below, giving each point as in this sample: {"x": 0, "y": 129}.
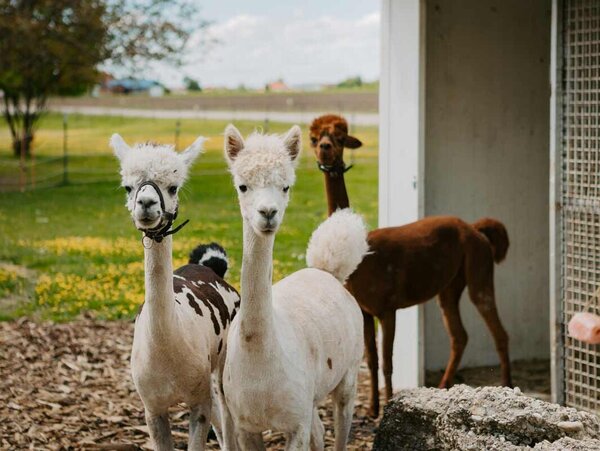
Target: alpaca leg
{"x": 449, "y": 302}
{"x": 249, "y": 441}
{"x": 216, "y": 420}
{"x": 227, "y": 426}
{"x": 299, "y": 440}
{"x": 480, "y": 280}
{"x": 343, "y": 402}
{"x": 317, "y": 432}
{"x": 160, "y": 430}
{"x": 388, "y": 324}
{"x": 372, "y": 361}
{"x": 199, "y": 426}
{"x": 486, "y": 305}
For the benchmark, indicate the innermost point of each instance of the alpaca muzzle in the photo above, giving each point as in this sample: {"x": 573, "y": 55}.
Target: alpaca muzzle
{"x": 163, "y": 229}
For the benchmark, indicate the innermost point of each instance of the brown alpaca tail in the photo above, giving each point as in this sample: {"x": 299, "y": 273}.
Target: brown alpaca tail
{"x": 496, "y": 234}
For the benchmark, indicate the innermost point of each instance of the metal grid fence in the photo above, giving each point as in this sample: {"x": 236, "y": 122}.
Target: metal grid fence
{"x": 580, "y": 203}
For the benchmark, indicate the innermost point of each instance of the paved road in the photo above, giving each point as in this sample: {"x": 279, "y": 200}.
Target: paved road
{"x": 370, "y": 119}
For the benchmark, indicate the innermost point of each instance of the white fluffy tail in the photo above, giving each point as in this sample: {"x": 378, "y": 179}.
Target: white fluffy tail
{"x": 339, "y": 244}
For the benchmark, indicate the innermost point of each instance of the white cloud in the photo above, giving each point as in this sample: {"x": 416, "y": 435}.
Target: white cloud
{"x": 256, "y": 49}
{"x": 370, "y": 20}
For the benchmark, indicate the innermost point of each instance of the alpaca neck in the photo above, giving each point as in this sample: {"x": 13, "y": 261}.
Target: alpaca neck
{"x": 160, "y": 298}
{"x": 256, "y": 310}
{"x": 337, "y": 196}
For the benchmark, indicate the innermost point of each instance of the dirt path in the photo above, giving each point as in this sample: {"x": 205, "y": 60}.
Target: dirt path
{"x": 367, "y": 102}
{"x": 367, "y": 119}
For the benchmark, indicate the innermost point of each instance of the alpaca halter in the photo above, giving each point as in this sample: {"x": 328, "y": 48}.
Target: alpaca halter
{"x": 334, "y": 170}
{"x": 158, "y": 233}
{"x": 337, "y": 170}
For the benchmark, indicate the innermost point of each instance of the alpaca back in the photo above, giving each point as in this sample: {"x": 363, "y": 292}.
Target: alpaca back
{"x": 315, "y": 311}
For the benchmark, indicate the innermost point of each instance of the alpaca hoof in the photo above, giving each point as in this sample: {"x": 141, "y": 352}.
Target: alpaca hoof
{"x": 445, "y": 384}
{"x": 373, "y": 412}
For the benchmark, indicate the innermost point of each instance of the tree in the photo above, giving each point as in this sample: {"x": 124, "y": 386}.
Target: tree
{"x": 191, "y": 84}
{"x": 50, "y": 47}
{"x": 352, "y": 82}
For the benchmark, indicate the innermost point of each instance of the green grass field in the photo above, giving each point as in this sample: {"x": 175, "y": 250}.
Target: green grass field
{"x": 73, "y": 249}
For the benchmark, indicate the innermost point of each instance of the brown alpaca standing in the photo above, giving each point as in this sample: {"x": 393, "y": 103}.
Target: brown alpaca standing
{"x": 413, "y": 263}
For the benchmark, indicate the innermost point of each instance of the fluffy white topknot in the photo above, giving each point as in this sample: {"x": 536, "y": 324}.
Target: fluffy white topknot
{"x": 264, "y": 161}
{"x": 156, "y": 162}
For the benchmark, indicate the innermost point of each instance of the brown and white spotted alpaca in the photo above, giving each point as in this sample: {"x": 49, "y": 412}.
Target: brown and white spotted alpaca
{"x": 180, "y": 337}
{"x": 408, "y": 265}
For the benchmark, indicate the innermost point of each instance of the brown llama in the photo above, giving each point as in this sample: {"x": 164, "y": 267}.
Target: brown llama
{"x": 413, "y": 263}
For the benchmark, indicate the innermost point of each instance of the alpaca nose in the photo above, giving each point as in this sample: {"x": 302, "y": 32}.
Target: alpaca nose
{"x": 325, "y": 146}
{"x": 268, "y": 213}
{"x": 146, "y": 203}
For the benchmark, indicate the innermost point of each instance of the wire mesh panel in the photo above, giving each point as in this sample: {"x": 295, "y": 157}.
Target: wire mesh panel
{"x": 580, "y": 203}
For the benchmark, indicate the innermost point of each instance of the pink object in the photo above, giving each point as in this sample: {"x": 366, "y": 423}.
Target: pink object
{"x": 585, "y": 327}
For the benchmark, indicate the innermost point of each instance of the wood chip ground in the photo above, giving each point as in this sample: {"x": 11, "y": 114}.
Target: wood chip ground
{"x": 68, "y": 387}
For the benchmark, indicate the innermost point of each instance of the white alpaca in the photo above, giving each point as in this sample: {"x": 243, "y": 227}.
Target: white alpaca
{"x": 180, "y": 337}
{"x": 295, "y": 342}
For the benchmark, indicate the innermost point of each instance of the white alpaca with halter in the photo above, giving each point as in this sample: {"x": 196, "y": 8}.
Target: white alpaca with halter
{"x": 297, "y": 341}
{"x": 180, "y": 336}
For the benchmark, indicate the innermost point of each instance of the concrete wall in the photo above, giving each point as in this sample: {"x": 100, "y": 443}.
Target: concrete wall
{"x": 487, "y": 154}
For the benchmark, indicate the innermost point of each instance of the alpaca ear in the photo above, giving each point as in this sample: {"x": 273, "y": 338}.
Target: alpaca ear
{"x": 234, "y": 143}
{"x": 293, "y": 142}
{"x": 120, "y": 147}
{"x": 191, "y": 153}
{"x": 352, "y": 143}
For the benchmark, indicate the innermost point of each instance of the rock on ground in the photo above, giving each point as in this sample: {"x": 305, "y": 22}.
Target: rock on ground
{"x": 567, "y": 443}
{"x": 490, "y": 418}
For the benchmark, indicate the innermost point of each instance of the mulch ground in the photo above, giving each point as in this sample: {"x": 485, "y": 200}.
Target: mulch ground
{"x": 68, "y": 386}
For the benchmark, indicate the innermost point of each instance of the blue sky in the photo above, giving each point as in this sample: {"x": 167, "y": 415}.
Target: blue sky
{"x": 307, "y": 41}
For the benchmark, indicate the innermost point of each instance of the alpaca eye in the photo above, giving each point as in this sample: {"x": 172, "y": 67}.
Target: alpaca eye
{"x": 172, "y": 190}
{"x": 243, "y": 188}
{"x": 128, "y": 189}
{"x": 286, "y": 189}
{"x": 313, "y": 140}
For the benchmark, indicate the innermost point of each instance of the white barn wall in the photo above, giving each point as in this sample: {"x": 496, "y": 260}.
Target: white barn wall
{"x": 487, "y": 154}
